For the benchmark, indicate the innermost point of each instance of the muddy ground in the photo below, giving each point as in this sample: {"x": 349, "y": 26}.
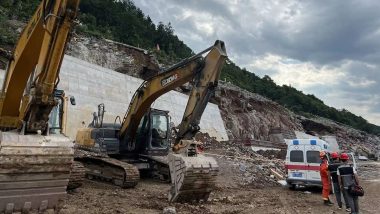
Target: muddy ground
{"x": 150, "y": 196}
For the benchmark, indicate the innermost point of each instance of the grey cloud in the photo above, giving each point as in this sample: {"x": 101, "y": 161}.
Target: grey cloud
{"x": 324, "y": 33}
{"x": 338, "y": 30}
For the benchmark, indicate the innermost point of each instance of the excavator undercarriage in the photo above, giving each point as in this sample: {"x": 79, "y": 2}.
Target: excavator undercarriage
{"x": 192, "y": 177}
{"x": 99, "y": 166}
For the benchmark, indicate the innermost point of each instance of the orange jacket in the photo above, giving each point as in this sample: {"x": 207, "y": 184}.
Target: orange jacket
{"x": 325, "y": 179}
{"x": 324, "y": 169}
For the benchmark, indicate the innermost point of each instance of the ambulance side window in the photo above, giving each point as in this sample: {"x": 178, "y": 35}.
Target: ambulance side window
{"x": 296, "y": 156}
{"x": 313, "y": 157}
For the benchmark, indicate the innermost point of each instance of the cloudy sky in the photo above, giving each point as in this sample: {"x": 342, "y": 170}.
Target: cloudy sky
{"x": 327, "y": 48}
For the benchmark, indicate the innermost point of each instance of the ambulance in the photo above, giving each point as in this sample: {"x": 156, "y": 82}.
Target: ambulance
{"x": 302, "y": 162}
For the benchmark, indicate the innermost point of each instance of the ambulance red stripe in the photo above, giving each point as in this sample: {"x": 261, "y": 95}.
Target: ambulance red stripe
{"x": 301, "y": 167}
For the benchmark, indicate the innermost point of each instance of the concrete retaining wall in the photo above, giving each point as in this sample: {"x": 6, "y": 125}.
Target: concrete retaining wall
{"x": 91, "y": 85}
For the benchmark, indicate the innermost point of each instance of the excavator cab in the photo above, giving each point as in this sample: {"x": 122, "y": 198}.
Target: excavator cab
{"x": 152, "y": 140}
{"x": 152, "y": 136}
{"x": 153, "y": 133}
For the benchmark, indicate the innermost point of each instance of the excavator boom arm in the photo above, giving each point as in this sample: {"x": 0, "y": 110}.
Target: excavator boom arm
{"x": 203, "y": 71}
{"x": 204, "y": 87}
{"x": 39, "y": 51}
{"x": 150, "y": 90}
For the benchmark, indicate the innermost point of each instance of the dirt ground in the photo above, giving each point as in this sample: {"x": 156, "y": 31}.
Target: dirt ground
{"x": 150, "y": 196}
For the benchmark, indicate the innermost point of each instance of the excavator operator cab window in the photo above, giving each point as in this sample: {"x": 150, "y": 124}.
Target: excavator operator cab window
{"x": 143, "y": 131}
{"x": 55, "y": 118}
{"x": 159, "y": 131}
{"x": 57, "y": 113}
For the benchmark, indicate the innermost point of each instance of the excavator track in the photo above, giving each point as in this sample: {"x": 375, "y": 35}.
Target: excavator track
{"x": 103, "y": 168}
{"x": 77, "y": 175}
{"x": 193, "y": 178}
{"x": 34, "y": 171}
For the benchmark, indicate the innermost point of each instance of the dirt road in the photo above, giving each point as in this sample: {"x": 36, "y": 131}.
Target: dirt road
{"x": 150, "y": 197}
{"x": 370, "y": 180}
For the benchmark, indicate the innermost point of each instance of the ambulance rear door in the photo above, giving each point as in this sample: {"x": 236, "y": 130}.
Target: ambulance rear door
{"x": 313, "y": 161}
{"x": 296, "y": 161}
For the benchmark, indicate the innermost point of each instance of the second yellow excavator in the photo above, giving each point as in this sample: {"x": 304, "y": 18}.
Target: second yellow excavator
{"x": 142, "y": 142}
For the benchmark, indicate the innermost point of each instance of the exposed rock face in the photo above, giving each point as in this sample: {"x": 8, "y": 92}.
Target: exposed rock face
{"x": 113, "y": 55}
{"x": 249, "y": 115}
{"x": 348, "y": 138}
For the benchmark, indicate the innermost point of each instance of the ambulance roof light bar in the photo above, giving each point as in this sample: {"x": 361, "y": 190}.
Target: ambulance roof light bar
{"x": 312, "y": 142}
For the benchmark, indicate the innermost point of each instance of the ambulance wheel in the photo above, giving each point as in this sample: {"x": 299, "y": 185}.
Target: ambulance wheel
{"x": 292, "y": 186}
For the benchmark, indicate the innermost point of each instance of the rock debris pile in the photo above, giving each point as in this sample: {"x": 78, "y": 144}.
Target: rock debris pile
{"x": 241, "y": 166}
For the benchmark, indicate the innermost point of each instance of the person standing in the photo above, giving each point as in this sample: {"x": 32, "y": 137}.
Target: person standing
{"x": 325, "y": 179}
{"x": 347, "y": 176}
{"x": 333, "y": 168}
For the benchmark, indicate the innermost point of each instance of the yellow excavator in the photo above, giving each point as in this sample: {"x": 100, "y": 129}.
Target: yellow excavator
{"x": 116, "y": 152}
{"x": 34, "y": 163}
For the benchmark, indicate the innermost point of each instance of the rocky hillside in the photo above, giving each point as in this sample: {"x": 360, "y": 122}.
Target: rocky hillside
{"x": 249, "y": 115}
{"x": 113, "y": 55}
{"x": 348, "y": 138}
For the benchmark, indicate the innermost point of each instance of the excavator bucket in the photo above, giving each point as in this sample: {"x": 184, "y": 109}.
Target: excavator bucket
{"x": 193, "y": 178}
{"x": 34, "y": 171}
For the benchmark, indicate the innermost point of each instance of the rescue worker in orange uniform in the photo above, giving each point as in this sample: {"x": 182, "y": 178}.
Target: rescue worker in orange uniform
{"x": 326, "y": 185}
